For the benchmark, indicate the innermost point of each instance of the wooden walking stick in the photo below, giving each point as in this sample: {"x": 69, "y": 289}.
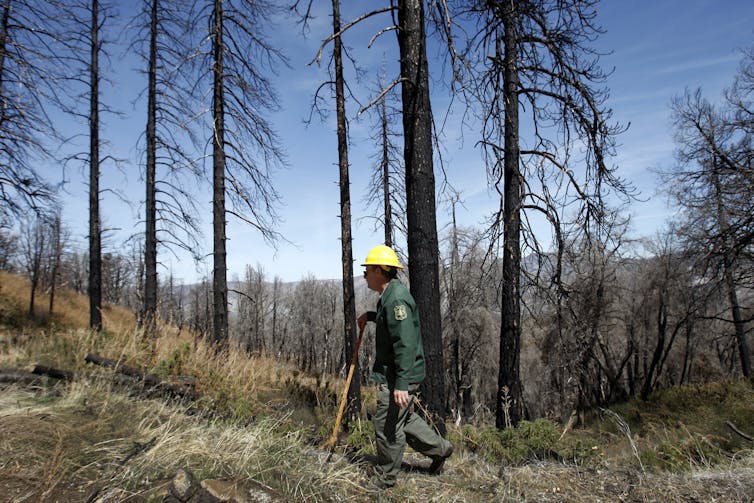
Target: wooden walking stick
{"x": 333, "y": 442}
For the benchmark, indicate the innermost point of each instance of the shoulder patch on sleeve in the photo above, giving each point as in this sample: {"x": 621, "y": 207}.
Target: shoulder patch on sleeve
{"x": 400, "y": 312}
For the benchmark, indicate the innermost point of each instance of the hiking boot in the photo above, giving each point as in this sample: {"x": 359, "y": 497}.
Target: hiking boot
{"x": 439, "y": 461}
{"x": 377, "y": 483}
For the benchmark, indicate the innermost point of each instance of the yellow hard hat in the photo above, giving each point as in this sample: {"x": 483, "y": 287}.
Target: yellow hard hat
{"x": 383, "y": 256}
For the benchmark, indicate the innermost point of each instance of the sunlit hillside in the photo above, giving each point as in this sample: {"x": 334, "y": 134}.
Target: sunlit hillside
{"x": 254, "y": 429}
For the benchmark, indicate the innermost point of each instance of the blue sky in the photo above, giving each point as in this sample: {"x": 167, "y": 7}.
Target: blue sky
{"x": 659, "y": 48}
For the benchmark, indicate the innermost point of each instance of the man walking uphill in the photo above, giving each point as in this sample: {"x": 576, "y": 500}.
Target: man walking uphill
{"x": 398, "y": 370}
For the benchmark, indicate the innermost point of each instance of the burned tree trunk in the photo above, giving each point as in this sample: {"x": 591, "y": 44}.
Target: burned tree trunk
{"x": 423, "y": 248}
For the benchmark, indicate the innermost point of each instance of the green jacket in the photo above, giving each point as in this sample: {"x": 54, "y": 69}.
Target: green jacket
{"x": 399, "y": 359}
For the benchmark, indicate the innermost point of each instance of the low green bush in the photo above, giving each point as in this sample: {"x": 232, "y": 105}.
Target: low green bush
{"x": 530, "y": 441}
{"x": 173, "y": 365}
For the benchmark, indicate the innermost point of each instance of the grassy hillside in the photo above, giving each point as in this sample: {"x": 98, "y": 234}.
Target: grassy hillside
{"x": 259, "y": 424}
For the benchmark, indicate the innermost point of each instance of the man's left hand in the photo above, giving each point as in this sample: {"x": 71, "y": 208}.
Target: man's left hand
{"x": 401, "y": 398}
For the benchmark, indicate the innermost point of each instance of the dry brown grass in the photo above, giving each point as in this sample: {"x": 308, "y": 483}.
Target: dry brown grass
{"x": 62, "y": 341}
{"x": 93, "y": 438}
{"x": 70, "y": 310}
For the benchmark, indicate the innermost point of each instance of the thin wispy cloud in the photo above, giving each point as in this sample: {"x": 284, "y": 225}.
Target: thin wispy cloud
{"x": 699, "y": 64}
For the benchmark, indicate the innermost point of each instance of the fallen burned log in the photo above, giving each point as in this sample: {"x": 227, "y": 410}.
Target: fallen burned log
{"x": 18, "y": 377}
{"x": 63, "y": 375}
{"x": 33, "y": 375}
{"x": 147, "y": 380}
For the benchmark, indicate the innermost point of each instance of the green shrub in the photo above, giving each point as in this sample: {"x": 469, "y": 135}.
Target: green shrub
{"x": 541, "y": 435}
{"x": 361, "y": 437}
{"x": 175, "y": 362}
{"x": 528, "y": 442}
{"x": 242, "y": 411}
{"x": 490, "y": 444}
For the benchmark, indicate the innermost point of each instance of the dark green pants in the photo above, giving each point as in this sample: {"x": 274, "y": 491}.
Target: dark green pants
{"x": 395, "y": 427}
